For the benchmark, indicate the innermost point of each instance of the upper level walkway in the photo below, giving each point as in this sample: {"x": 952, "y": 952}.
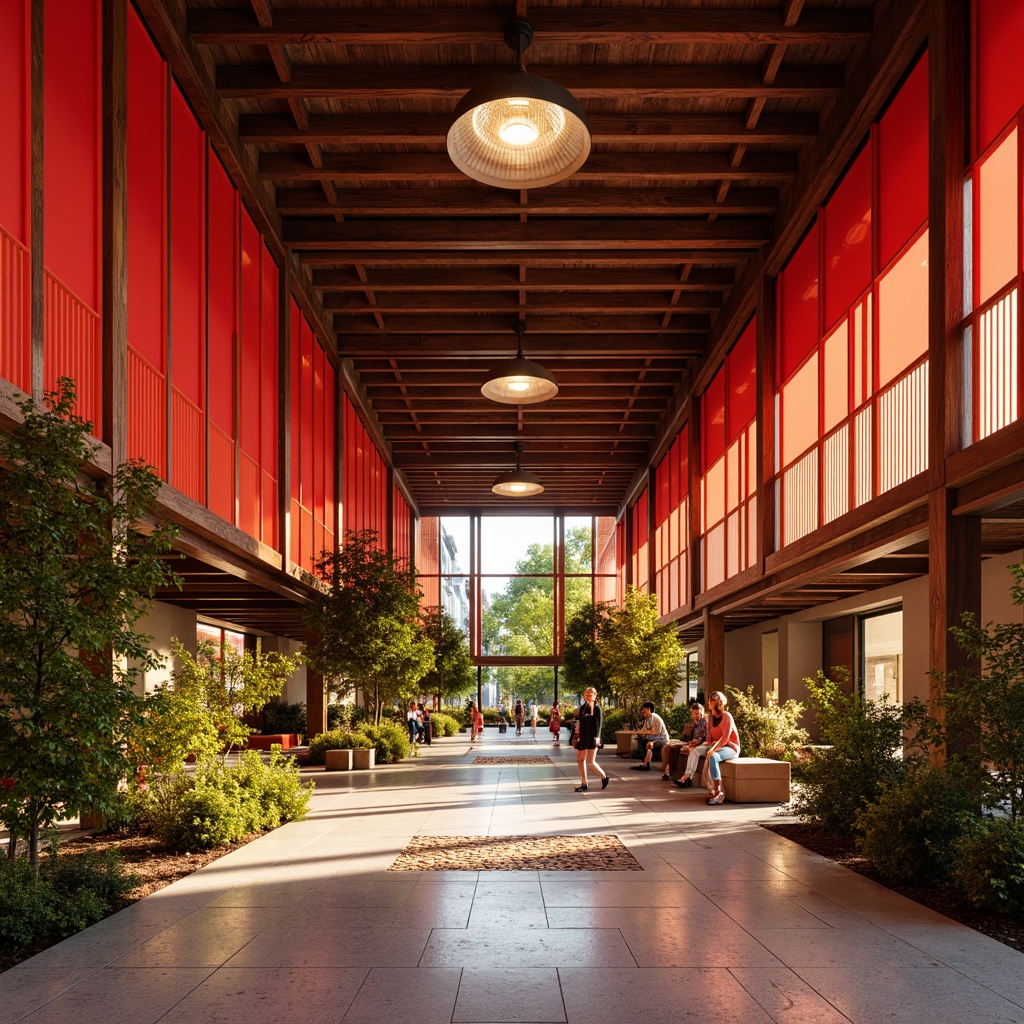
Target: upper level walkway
{"x": 725, "y": 922}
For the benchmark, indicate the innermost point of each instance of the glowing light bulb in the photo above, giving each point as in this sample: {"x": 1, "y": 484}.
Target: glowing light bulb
{"x": 518, "y": 384}
{"x": 517, "y": 488}
{"x": 518, "y": 132}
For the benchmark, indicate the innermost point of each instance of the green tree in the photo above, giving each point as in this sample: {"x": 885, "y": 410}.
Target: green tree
{"x": 640, "y": 656}
{"x": 75, "y": 578}
{"x": 452, "y": 674}
{"x": 365, "y": 624}
{"x": 518, "y": 621}
{"x": 582, "y": 661}
{"x": 203, "y": 710}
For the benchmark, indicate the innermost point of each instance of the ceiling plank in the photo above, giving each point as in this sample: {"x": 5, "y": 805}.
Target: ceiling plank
{"x": 550, "y": 324}
{"x": 528, "y": 258}
{"x": 455, "y": 303}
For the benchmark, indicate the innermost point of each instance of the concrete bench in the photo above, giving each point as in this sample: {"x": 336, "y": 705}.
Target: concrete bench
{"x": 755, "y": 780}
{"x": 285, "y": 739}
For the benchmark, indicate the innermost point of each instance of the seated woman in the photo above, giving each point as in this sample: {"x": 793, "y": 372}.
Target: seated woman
{"x": 723, "y": 744}
{"x": 696, "y": 746}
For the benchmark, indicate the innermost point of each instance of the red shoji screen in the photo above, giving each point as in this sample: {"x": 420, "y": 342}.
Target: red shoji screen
{"x": 846, "y": 240}
{"x": 903, "y": 165}
{"x": 998, "y": 69}
{"x": 620, "y": 560}
{"x": 428, "y": 560}
{"x": 147, "y": 248}
{"x": 15, "y": 300}
{"x": 712, "y": 420}
{"x": 741, "y": 397}
{"x": 269, "y": 400}
{"x": 249, "y": 391}
{"x": 73, "y": 201}
{"x": 798, "y": 305}
{"x": 320, "y": 399}
{"x": 671, "y": 532}
{"x": 222, "y": 312}
{"x": 188, "y": 307}
{"x": 364, "y": 487}
{"x": 402, "y": 524}
{"x": 640, "y": 548}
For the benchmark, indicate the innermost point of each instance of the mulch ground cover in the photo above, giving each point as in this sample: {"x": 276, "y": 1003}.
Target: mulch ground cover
{"x": 515, "y": 853}
{"x": 511, "y": 760}
{"x": 943, "y": 899}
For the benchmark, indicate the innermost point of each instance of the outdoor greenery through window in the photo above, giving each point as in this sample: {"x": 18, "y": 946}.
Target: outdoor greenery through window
{"x": 511, "y": 583}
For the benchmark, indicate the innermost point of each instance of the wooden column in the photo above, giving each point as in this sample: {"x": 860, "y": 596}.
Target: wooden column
{"x": 766, "y": 374}
{"x": 115, "y": 229}
{"x": 316, "y": 703}
{"x": 714, "y": 653}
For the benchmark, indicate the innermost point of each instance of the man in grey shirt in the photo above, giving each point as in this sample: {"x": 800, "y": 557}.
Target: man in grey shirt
{"x": 653, "y": 735}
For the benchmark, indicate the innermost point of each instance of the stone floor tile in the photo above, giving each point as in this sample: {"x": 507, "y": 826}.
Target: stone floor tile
{"x": 924, "y": 995}
{"x": 704, "y": 945}
{"x": 867, "y": 949}
{"x": 242, "y": 996}
{"x": 527, "y": 947}
{"x": 360, "y": 944}
{"x": 118, "y": 995}
{"x": 23, "y": 991}
{"x": 509, "y": 995}
{"x": 397, "y": 996}
{"x": 623, "y": 995}
{"x": 785, "y": 997}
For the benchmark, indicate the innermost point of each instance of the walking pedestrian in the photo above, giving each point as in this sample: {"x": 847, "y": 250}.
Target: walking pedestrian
{"x": 555, "y": 724}
{"x": 534, "y": 712}
{"x": 588, "y": 738}
{"x": 519, "y": 713}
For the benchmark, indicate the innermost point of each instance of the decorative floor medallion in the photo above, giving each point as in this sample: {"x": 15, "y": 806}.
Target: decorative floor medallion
{"x": 515, "y": 853}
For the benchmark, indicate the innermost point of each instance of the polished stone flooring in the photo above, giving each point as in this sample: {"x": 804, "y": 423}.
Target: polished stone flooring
{"x": 726, "y": 923}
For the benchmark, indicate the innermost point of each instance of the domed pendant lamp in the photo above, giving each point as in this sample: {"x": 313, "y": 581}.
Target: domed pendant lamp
{"x": 519, "y": 381}
{"x": 520, "y": 130}
{"x": 518, "y": 482}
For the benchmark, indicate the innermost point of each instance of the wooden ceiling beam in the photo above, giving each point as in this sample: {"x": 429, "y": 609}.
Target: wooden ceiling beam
{"x": 654, "y": 279}
{"x": 560, "y": 259}
{"x": 687, "y": 323}
{"x": 399, "y": 128}
{"x": 511, "y": 432}
{"x": 583, "y": 354}
{"x": 585, "y": 82}
{"x": 469, "y": 27}
{"x": 456, "y": 303}
{"x": 451, "y": 235}
{"x": 358, "y": 169}
{"x": 548, "y": 202}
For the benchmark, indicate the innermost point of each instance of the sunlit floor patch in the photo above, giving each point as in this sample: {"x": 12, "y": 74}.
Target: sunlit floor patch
{"x": 515, "y": 853}
{"x": 512, "y": 760}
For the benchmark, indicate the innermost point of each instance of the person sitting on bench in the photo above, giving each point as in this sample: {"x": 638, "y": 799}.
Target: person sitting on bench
{"x": 651, "y": 737}
{"x": 695, "y": 749}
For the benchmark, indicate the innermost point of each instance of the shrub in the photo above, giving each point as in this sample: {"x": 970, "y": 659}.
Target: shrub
{"x": 770, "y": 729}
{"x": 70, "y": 893}
{"x": 445, "y": 725}
{"x": 612, "y": 721}
{"x": 284, "y": 718}
{"x": 910, "y": 834}
{"x": 391, "y": 741}
{"x": 866, "y": 740}
{"x": 491, "y": 716}
{"x": 198, "y": 812}
{"x": 344, "y": 717}
{"x": 270, "y": 793}
{"x": 989, "y": 865}
{"x": 335, "y": 740}
{"x": 677, "y": 718}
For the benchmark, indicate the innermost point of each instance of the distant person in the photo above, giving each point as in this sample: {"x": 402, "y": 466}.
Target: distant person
{"x": 723, "y": 744}
{"x": 653, "y": 735}
{"x": 472, "y": 715}
{"x": 588, "y": 738}
{"x": 425, "y": 723}
{"x": 478, "y": 721}
{"x": 413, "y": 719}
{"x": 555, "y": 723}
{"x": 534, "y": 712}
{"x": 695, "y": 747}
{"x": 519, "y": 712}
{"x": 502, "y": 713}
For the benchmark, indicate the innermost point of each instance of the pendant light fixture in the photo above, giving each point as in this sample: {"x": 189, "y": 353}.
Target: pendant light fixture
{"x": 518, "y": 482}
{"x": 520, "y": 130}
{"x": 519, "y": 381}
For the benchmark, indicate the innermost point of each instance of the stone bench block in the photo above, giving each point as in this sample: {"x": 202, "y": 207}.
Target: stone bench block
{"x": 755, "y": 780}
{"x": 338, "y": 760}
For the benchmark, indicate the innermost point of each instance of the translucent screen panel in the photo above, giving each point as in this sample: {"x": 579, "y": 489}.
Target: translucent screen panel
{"x": 903, "y": 312}
{"x": 847, "y": 241}
{"x": 800, "y": 411}
{"x": 836, "y": 380}
{"x": 996, "y": 197}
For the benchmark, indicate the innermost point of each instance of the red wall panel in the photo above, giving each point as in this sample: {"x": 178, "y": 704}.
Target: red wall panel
{"x": 71, "y": 138}
{"x": 712, "y": 419}
{"x": 999, "y": 74}
{"x": 251, "y": 363}
{"x": 222, "y": 240}
{"x": 846, "y": 245}
{"x": 903, "y": 165}
{"x": 14, "y": 117}
{"x": 798, "y": 305}
{"x": 741, "y": 399}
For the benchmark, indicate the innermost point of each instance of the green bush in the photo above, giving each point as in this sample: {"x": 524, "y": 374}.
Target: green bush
{"x": 284, "y": 718}
{"x": 767, "y": 729}
{"x": 677, "y": 718}
{"x": 391, "y": 741}
{"x": 70, "y": 893}
{"x": 270, "y": 793}
{"x": 335, "y": 740}
{"x": 910, "y": 833}
{"x": 866, "y": 738}
{"x": 491, "y": 715}
{"x": 989, "y": 866}
{"x": 344, "y": 717}
{"x": 612, "y": 721}
{"x": 445, "y": 725}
